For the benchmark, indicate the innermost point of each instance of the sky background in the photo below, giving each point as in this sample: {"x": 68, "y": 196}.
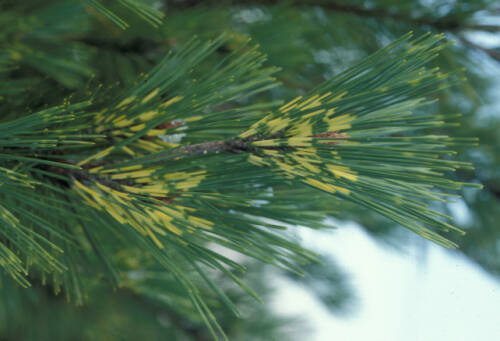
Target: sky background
{"x": 422, "y": 294}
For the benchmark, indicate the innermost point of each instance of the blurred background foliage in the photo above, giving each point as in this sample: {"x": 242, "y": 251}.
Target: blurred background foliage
{"x": 54, "y": 49}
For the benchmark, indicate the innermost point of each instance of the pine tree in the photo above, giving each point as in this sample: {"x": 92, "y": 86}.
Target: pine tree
{"x": 122, "y": 170}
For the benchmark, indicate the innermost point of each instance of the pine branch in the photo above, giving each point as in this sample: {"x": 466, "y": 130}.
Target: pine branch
{"x": 184, "y": 160}
{"x": 441, "y": 24}
{"x": 234, "y": 145}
